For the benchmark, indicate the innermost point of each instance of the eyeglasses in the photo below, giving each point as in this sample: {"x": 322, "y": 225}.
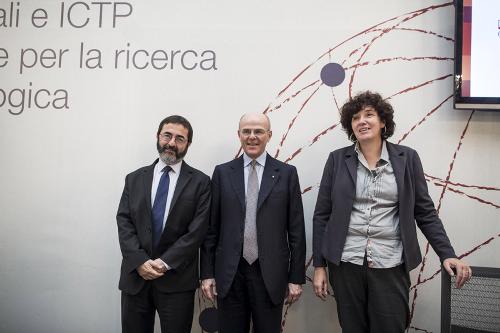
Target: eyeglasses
{"x": 257, "y": 132}
{"x": 168, "y": 137}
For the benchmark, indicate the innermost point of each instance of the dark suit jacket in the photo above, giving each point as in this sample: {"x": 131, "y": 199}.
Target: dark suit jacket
{"x": 280, "y": 227}
{"x": 336, "y": 196}
{"x": 184, "y": 230}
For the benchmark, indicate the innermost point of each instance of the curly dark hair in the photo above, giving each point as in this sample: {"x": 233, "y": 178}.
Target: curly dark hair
{"x": 362, "y": 100}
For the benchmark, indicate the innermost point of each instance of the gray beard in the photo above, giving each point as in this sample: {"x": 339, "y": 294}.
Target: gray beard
{"x": 168, "y": 159}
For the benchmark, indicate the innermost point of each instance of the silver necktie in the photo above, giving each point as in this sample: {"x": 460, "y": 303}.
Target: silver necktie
{"x": 250, "y": 246}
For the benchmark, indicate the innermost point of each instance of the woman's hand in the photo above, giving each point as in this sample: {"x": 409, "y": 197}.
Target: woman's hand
{"x": 320, "y": 282}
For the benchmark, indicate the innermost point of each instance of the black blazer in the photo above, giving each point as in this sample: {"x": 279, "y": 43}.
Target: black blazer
{"x": 336, "y": 196}
{"x": 280, "y": 227}
{"x": 184, "y": 230}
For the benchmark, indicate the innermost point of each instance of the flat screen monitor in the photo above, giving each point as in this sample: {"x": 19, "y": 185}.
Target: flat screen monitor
{"x": 477, "y": 54}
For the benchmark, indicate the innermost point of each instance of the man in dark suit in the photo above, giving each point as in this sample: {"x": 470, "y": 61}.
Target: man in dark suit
{"x": 162, "y": 220}
{"x": 254, "y": 252}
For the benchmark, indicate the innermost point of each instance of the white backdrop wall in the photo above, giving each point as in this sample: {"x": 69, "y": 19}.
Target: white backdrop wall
{"x": 63, "y": 165}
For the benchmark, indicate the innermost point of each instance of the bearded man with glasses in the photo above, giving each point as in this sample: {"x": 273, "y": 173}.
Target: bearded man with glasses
{"x": 162, "y": 220}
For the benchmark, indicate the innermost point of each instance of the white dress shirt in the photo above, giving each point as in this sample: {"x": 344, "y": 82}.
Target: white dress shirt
{"x": 173, "y": 176}
{"x": 259, "y": 167}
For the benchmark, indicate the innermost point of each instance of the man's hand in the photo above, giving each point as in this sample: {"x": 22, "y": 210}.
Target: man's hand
{"x": 160, "y": 266}
{"x": 294, "y": 292}
{"x": 208, "y": 288}
{"x": 149, "y": 270}
{"x": 320, "y": 283}
{"x": 464, "y": 272}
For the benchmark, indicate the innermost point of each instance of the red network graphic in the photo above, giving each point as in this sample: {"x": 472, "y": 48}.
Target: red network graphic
{"x": 353, "y": 54}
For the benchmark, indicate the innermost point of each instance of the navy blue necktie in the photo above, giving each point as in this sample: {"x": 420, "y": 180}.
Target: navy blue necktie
{"x": 159, "y": 205}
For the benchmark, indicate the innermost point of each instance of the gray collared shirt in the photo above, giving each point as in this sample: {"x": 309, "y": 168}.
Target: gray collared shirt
{"x": 374, "y": 224}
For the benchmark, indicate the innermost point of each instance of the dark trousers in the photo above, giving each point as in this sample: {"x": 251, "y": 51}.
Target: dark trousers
{"x": 370, "y": 299}
{"x": 174, "y": 309}
{"x": 248, "y": 298}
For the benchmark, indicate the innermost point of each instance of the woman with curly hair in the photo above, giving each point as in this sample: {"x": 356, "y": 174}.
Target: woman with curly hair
{"x": 370, "y": 196}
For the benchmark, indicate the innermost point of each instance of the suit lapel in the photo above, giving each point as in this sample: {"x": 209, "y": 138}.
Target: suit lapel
{"x": 351, "y": 161}
{"x": 238, "y": 180}
{"x": 147, "y": 181}
{"x": 184, "y": 178}
{"x": 398, "y": 162}
{"x": 270, "y": 177}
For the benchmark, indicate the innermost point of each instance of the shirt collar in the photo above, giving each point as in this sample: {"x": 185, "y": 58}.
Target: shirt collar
{"x": 356, "y": 148}
{"x": 261, "y": 160}
{"x": 384, "y": 154}
{"x": 176, "y": 168}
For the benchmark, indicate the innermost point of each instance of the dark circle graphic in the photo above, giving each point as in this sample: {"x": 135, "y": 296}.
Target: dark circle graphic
{"x": 332, "y": 74}
{"x": 209, "y": 320}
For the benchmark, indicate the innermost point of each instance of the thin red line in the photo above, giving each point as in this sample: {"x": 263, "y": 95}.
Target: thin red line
{"x": 450, "y": 169}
